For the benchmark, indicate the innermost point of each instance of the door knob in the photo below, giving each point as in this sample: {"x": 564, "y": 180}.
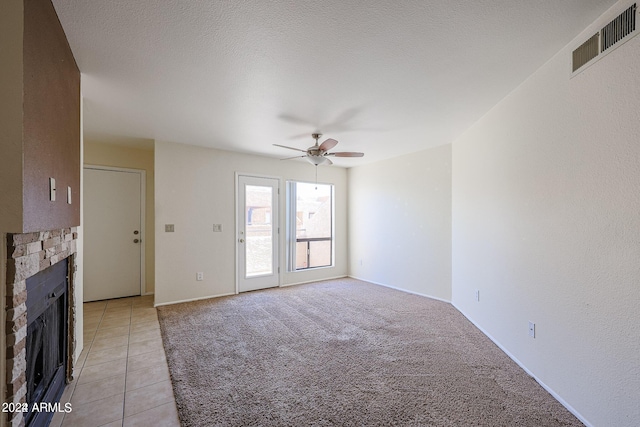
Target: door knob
{"x": 241, "y": 240}
{"x": 136, "y": 240}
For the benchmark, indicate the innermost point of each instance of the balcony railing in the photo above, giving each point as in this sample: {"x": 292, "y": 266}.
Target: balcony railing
{"x": 313, "y": 252}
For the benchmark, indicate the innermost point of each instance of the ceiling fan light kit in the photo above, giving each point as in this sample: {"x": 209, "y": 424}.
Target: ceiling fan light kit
{"x": 318, "y": 160}
{"x": 317, "y": 154}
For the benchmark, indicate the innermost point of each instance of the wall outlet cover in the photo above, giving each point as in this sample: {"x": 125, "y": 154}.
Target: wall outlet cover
{"x": 168, "y": 228}
{"x": 217, "y": 228}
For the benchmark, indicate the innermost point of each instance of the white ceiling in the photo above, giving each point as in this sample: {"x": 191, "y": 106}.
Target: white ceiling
{"x": 382, "y": 77}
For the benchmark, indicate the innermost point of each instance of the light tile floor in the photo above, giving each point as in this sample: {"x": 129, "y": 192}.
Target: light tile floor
{"x": 121, "y": 377}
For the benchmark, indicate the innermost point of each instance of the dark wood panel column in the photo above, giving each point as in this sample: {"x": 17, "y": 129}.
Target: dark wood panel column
{"x": 51, "y": 123}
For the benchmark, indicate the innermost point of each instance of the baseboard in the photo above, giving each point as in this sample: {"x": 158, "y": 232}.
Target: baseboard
{"x": 401, "y": 289}
{"x": 313, "y": 281}
{"x": 193, "y": 299}
{"x": 531, "y": 374}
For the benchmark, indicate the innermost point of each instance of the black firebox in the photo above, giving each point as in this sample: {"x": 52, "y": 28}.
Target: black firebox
{"x": 47, "y": 335}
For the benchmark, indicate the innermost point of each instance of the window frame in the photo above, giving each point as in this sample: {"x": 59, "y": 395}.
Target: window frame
{"x": 291, "y": 233}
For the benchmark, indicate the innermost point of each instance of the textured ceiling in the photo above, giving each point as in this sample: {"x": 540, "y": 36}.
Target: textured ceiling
{"x": 383, "y": 77}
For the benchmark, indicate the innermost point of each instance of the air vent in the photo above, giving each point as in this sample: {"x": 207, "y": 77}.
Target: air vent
{"x": 586, "y": 52}
{"x": 619, "y": 28}
{"x": 612, "y": 35}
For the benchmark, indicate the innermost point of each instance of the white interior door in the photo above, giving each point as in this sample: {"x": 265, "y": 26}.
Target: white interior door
{"x": 112, "y": 233}
{"x": 257, "y": 233}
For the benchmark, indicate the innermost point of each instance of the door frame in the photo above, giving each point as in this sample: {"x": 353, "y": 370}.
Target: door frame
{"x": 237, "y": 225}
{"x": 143, "y": 214}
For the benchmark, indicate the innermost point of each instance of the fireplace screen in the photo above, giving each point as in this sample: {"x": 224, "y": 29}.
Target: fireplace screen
{"x": 46, "y": 343}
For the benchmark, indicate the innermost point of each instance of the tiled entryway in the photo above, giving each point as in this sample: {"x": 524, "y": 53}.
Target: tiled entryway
{"x": 121, "y": 378}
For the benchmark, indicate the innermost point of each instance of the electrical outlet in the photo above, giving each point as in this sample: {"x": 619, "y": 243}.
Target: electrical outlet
{"x": 477, "y": 295}
{"x": 168, "y": 228}
{"x": 217, "y": 228}
{"x": 199, "y": 276}
{"x": 532, "y": 329}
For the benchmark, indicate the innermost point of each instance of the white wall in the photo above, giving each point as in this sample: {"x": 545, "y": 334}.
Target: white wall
{"x": 195, "y": 188}
{"x": 546, "y": 224}
{"x": 400, "y": 222}
{"x": 79, "y": 256}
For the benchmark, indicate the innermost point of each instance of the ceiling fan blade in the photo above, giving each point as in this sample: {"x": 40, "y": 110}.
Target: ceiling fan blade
{"x": 328, "y": 144}
{"x": 300, "y": 135}
{"x": 345, "y": 154}
{"x": 346, "y": 116}
{"x": 294, "y": 119}
{"x": 294, "y": 157}
{"x": 290, "y": 148}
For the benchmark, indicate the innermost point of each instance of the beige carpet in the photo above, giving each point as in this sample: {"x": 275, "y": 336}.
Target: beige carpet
{"x": 343, "y": 353}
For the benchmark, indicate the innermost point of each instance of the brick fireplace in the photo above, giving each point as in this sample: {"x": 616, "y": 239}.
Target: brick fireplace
{"x": 28, "y": 254}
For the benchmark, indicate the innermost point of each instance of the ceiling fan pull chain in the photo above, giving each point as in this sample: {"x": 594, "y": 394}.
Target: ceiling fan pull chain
{"x": 316, "y": 177}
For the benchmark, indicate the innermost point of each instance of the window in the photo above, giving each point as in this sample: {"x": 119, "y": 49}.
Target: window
{"x": 310, "y": 225}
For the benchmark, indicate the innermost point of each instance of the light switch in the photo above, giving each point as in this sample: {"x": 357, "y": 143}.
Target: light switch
{"x": 217, "y": 228}
{"x": 168, "y": 228}
{"x": 69, "y": 195}
{"x": 532, "y": 329}
{"x": 52, "y": 189}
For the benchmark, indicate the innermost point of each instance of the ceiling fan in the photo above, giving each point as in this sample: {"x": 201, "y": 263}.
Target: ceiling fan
{"x": 317, "y": 154}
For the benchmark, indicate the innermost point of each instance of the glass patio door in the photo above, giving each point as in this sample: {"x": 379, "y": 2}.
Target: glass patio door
{"x": 257, "y": 233}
